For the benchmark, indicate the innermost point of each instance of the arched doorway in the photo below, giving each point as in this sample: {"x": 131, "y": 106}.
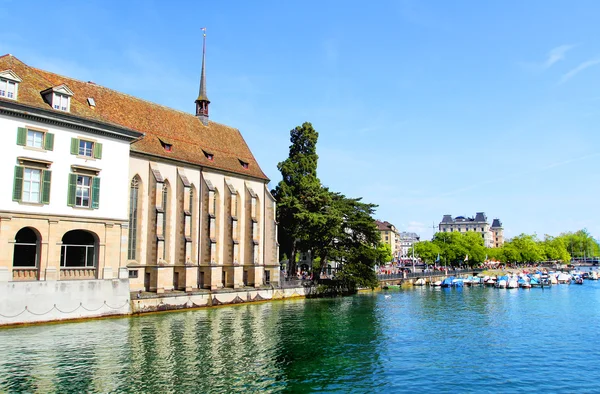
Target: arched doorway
{"x": 26, "y": 254}
{"x": 78, "y": 255}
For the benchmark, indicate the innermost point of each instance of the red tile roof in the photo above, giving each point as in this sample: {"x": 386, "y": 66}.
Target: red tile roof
{"x": 188, "y": 136}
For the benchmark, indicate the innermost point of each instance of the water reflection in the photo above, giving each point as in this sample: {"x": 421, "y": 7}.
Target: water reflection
{"x": 266, "y": 347}
{"x": 467, "y": 340}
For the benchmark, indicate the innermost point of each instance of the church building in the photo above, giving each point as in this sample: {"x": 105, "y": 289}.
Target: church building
{"x": 101, "y": 181}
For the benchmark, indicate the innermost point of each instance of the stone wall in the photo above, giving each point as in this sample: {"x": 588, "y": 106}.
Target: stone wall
{"x": 44, "y": 301}
{"x": 198, "y": 300}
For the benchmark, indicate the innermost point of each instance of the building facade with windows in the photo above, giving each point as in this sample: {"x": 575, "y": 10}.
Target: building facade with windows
{"x": 390, "y": 236}
{"x": 497, "y": 233}
{"x": 493, "y": 236}
{"x": 103, "y": 180}
{"x": 407, "y": 241}
{"x": 63, "y": 206}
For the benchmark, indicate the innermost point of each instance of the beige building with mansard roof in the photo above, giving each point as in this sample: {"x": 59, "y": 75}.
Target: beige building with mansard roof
{"x": 177, "y": 199}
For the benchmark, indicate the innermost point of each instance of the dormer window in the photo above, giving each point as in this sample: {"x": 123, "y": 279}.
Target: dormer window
{"x": 8, "y": 88}
{"x": 244, "y": 164}
{"x": 167, "y": 145}
{"x": 209, "y": 155}
{"x": 60, "y": 102}
{"x": 9, "y": 82}
{"x": 59, "y": 97}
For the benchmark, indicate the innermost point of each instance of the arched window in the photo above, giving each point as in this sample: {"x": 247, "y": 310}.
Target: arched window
{"x": 78, "y": 250}
{"x": 133, "y": 219}
{"x": 26, "y": 248}
{"x": 191, "y": 210}
{"x": 165, "y": 195}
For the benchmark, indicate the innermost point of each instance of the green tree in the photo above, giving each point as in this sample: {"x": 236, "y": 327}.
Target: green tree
{"x": 580, "y": 244}
{"x": 474, "y": 245}
{"x": 357, "y": 245}
{"x": 299, "y": 194}
{"x": 427, "y": 251}
{"x": 555, "y": 249}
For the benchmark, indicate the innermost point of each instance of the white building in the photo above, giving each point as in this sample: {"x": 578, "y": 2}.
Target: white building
{"x": 407, "y": 241}
{"x": 63, "y": 208}
{"x": 492, "y": 235}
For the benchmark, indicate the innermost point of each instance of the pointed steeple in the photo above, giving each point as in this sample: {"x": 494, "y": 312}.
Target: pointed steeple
{"x": 202, "y": 101}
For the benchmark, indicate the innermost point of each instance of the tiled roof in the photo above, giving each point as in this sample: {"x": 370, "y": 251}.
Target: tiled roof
{"x": 188, "y": 136}
{"x": 383, "y": 226}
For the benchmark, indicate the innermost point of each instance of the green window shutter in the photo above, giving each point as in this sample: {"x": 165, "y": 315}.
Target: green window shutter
{"x": 74, "y": 146}
{"x": 49, "y": 141}
{"x": 95, "y": 193}
{"x": 46, "y": 176}
{"x": 18, "y": 184}
{"x": 72, "y": 190}
{"x": 21, "y": 136}
{"x": 97, "y": 150}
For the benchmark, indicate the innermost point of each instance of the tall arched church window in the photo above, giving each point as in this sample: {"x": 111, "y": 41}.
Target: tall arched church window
{"x": 133, "y": 219}
{"x": 165, "y": 195}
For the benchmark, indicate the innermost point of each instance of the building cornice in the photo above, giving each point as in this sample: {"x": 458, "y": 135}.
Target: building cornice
{"x": 70, "y": 121}
{"x": 60, "y": 217}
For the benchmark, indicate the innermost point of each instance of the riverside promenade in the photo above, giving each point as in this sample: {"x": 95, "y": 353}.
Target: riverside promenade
{"x": 429, "y": 276}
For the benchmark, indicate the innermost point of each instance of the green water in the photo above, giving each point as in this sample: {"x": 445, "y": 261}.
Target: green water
{"x": 443, "y": 340}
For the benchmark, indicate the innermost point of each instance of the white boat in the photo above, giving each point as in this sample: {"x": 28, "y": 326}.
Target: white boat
{"x": 563, "y": 278}
{"x": 419, "y": 282}
{"x": 512, "y": 284}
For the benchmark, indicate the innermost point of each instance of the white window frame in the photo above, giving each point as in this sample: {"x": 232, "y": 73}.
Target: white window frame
{"x": 31, "y": 142}
{"x": 85, "y": 149}
{"x": 8, "y": 88}
{"x": 61, "y": 102}
{"x": 26, "y": 195}
{"x": 80, "y": 190}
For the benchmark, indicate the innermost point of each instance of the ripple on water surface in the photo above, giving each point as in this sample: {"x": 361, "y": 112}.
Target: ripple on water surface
{"x": 447, "y": 340}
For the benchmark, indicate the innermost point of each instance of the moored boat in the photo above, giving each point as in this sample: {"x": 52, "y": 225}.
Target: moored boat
{"x": 447, "y": 282}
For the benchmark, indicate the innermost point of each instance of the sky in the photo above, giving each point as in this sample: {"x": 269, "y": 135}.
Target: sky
{"x": 424, "y": 108}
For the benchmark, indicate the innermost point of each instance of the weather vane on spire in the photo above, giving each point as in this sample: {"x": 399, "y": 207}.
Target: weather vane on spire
{"x": 202, "y": 101}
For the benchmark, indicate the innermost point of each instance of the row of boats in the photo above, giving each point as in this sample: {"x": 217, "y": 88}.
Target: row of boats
{"x": 514, "y": 281}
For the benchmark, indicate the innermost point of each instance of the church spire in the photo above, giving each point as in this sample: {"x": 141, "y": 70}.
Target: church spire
{"x": 202, "y": 101}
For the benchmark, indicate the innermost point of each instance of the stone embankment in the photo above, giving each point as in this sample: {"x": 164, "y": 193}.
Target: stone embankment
{"x": 151, "y": 302}
{"x": 35, "y": 302}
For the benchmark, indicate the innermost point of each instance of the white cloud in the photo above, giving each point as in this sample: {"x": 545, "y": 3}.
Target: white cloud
{"x": 554, "y": 56}
{"x": 578, "y": 69}
{"x": 557, "y": 54}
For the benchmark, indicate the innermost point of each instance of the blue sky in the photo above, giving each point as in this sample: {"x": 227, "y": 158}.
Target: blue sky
{"x": 422, "y": 107}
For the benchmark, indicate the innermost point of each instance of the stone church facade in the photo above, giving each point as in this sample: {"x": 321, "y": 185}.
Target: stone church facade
{"x": 105, "y": 183}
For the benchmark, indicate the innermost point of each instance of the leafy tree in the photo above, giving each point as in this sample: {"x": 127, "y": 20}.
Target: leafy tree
{"x": 299, "y": 194}
{"x": 358, "y": 244}
{"x": 580, "y": 244}
{"x": 555, "y": 249}
{"x": 427, "y": 251}
{"x": 475, "y": 248}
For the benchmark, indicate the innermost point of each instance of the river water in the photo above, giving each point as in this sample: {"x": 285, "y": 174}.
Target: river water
{"x": 415, "y": 339}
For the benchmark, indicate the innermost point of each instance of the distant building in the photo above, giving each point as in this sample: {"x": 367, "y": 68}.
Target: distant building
{"x": 407, "y": 240}
{"x": 493, "y": 236}
{"x": 497, "y": 233}
{"x": 390, "y": 236}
